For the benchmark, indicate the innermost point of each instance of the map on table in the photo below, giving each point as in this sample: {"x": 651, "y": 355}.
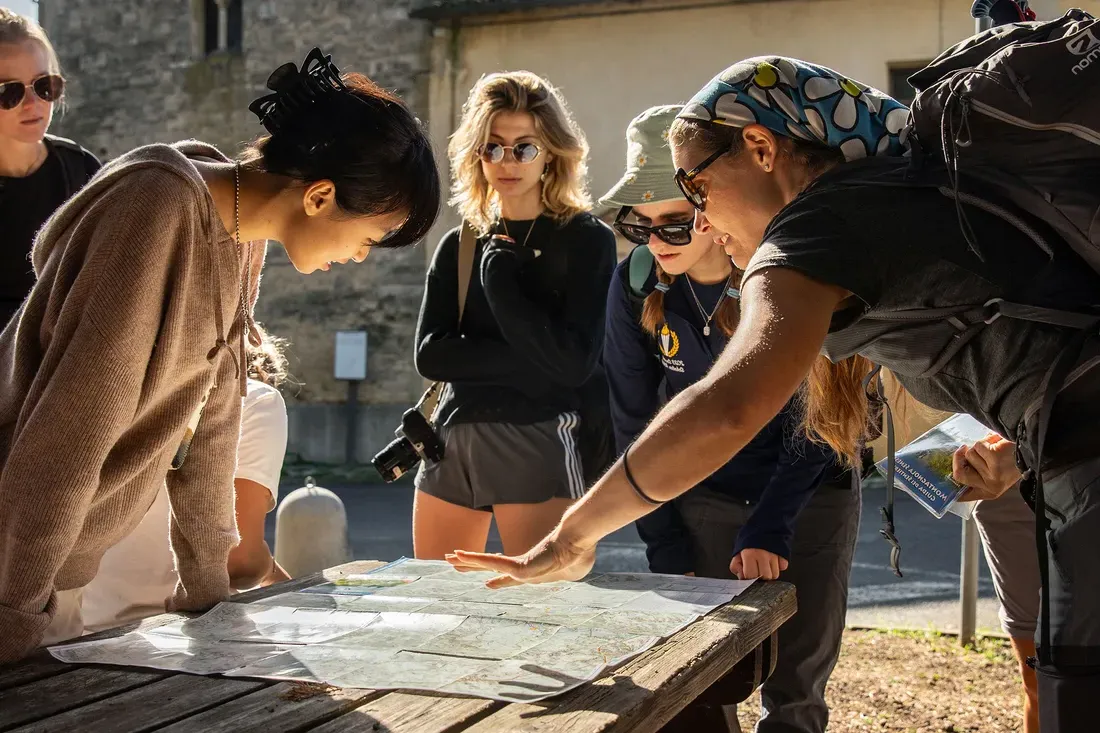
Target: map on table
{"x": 421, "y": 625}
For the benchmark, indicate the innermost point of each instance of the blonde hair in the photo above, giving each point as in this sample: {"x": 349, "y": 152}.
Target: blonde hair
{"x": 266, "y": 362}
{"x": 564, "y": 187}
{"x": 653, "y": 308}
{"x": 16, "y": 28}
{"x": 837, "y": 405}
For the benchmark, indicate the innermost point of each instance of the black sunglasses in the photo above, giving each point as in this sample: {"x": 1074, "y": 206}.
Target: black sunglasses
{"x": 521, "y": 152}
{"x": 48, "y": 88}
{"x": 675, "y": 234}
{"x": 686, "y": 181}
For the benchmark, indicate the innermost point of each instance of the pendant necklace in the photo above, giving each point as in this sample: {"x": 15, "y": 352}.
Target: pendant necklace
{"x": 708, "y": 317}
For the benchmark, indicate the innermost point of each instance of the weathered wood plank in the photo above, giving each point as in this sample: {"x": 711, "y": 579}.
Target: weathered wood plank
{"x": 33, "y": 668}
{"x": 31, "y": 706}
{"x": 281, "y": 708}
{"x": 650, "y": 689}
{"x": 41, "y": 699}
{"x": 148, "y": 707}
{"x": 412, "y": 713}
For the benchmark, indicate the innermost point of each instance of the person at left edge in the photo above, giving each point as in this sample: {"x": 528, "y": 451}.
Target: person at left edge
{"x": 125, "y": 366}
{"x": 783, "y": 507}
{"x": 38, "y": 172}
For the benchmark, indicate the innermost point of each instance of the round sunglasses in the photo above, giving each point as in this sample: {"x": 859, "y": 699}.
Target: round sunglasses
{"x": 521, "y": 152}
{"x": 48, "y": 88}
{"x": 677, "y": 235}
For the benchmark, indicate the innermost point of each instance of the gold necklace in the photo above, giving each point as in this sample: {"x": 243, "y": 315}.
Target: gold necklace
{"x": 531, "y": 229}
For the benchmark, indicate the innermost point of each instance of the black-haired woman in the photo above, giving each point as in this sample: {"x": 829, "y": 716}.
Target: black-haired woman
{"x": 126, "y": 369}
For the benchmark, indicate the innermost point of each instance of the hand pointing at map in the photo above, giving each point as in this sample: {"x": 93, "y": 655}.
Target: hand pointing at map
{"x": 549, "y": 561}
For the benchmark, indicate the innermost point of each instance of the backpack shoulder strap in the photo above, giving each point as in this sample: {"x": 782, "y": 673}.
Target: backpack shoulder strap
{"x": 73, "y": 162}
{"x": 639, "y": 271}
{"x": 467, "y": 243}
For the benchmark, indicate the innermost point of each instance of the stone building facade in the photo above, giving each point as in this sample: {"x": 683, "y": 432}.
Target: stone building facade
{"x": 142, "y": 71}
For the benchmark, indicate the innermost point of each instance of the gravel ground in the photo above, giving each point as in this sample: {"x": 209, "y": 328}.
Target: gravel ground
{"x": 918, "y": 682}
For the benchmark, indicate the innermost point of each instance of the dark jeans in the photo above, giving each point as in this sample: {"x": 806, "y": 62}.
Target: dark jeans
{"x": 809, "y": 643}
{"x": 1070, "y": 686}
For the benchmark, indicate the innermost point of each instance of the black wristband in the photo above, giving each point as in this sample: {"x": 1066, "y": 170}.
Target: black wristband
{"x": 634, "y": 484}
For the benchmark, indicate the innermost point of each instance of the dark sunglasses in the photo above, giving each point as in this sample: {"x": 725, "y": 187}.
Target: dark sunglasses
{"x": 48, "y": 88}
{"x": 675, "y": 234}
{"x": 686, "y": 181}
{"x": 521, "y": 152}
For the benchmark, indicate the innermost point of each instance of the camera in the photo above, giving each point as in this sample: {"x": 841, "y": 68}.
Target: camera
{"x": 416, "y": 441}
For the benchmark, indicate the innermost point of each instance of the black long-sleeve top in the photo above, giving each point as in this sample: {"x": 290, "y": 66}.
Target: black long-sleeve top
{"x": 531, "y": 333}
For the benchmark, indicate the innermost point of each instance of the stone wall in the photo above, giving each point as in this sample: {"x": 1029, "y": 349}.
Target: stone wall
{"x": 138, "y": 75}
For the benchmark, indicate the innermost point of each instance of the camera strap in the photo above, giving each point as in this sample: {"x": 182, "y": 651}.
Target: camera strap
{"x": 467, "y": 243}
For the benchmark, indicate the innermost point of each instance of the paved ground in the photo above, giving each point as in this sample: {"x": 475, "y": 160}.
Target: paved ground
{"x": 927, "y": 597}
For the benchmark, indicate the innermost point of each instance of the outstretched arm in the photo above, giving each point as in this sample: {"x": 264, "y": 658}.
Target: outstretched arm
{"x": 785, "y": 318}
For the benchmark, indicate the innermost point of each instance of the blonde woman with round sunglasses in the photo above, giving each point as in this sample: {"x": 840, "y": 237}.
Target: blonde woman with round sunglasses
{"x": 38, "y": 172}
{"x": 518, "y": 364}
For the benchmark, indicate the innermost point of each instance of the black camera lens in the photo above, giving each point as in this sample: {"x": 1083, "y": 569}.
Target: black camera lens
{"x": 395, "y": 460}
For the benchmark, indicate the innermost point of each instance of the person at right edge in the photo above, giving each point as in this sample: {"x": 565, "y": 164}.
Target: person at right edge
{"x": 799, "y": 165}
{"x": 782, "y": 508}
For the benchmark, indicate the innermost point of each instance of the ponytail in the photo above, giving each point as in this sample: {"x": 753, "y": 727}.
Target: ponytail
{"x": 653, "y": 309}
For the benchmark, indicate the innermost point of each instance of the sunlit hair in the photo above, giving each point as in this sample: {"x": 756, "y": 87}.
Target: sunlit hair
{"x": 266, "y": 362}
{"x": 653, "y": 308}
{"x": 16, "y": 28}
{"x": 565, "y": 184}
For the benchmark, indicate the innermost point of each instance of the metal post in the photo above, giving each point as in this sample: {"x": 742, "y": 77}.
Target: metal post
{"x": 968, "y": 570}
{"x": 353, "y": 421}
{"x": 968, "y": 583}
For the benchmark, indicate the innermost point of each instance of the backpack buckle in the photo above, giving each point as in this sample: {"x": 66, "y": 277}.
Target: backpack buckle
{"x": 992, "y": 310}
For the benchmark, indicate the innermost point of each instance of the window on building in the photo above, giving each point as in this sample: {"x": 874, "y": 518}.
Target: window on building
{"x": 222, "y": 26}
{"x": 899, "y": 82}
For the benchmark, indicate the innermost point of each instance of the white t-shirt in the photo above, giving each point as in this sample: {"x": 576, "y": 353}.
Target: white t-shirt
{"x": 138, "y": 574}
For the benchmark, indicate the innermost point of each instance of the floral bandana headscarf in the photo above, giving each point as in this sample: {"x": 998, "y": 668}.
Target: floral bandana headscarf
{"x": 803, "y": 101}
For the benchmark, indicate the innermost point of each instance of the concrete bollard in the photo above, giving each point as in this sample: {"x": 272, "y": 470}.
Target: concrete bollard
{"x": 311, "y": 531}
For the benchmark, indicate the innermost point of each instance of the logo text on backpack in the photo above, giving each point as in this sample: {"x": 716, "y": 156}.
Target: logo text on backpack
{"x": 1087, "y": 45}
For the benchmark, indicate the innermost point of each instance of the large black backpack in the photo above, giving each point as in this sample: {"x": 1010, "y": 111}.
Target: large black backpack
{"x": 1010, "y": 120}
{"x": 1015, "y": 111}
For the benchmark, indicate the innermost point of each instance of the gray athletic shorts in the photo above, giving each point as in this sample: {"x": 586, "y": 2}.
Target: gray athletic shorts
{"x": 488, "y": 463}
{"x": 1007, "y": 527}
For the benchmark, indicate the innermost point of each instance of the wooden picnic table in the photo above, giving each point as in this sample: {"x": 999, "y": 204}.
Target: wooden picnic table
{"x": 43, "y": 695}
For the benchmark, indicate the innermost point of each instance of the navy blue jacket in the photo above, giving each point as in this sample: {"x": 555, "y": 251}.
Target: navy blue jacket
{"x": 778, "y": 470}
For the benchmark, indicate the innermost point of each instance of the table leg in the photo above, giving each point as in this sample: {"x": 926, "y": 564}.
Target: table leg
{"x": 706, "y": 712}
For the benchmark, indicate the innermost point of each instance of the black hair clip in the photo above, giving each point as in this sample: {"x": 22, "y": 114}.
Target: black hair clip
{"x": 296, "y": 91}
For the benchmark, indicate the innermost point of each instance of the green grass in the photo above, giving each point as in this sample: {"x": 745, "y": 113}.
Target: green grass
{"x": 992, "y": 648}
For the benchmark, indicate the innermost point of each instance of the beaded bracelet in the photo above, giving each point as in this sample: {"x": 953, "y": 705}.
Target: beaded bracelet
{"x": 634, "y": 484}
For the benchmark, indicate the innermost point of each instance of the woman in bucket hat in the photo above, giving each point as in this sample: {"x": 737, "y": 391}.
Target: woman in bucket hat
{"x": 672, "y": 306}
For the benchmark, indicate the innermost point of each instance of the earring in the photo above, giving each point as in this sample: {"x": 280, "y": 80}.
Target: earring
{"x": 767, "y": 166}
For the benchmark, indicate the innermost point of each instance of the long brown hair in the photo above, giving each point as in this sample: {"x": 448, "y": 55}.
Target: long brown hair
{"x": 836, "y": 405}
{"x": 653, "y": 308}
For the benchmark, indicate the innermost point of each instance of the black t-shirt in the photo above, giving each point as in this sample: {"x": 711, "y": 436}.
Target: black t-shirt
{"x": 901, "y": 252}
{"x": 531, "y": 334}
{"x": 25, "y": 205}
